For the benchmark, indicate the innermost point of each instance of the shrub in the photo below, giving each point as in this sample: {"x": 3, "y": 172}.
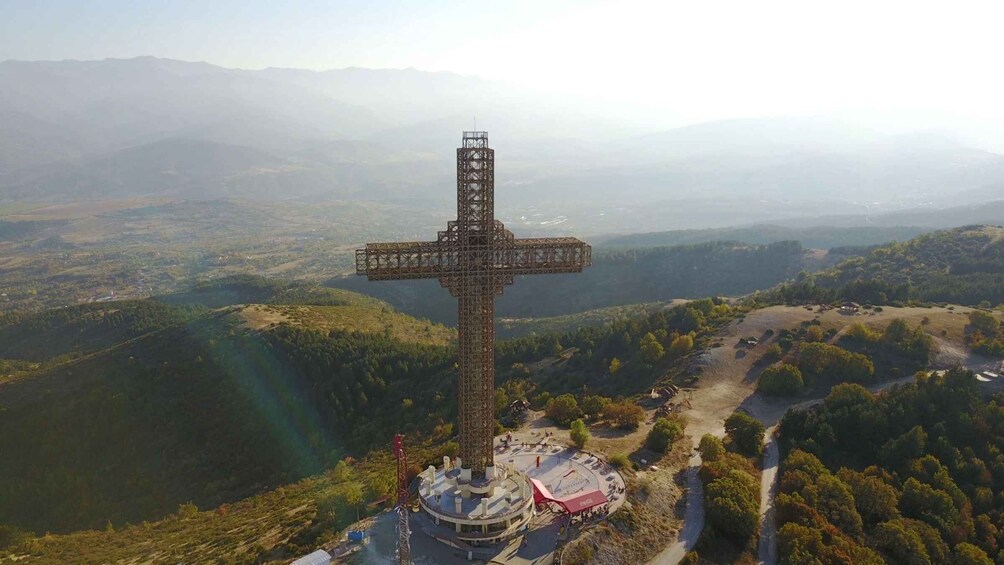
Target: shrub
{"x": 711, "y": 448}
{"x": 563, "y": 409}
{"x": 624, "y": 414}
{"x": 681, "y": 345}
{"x": 780, "y": 380}
{"x": 579, "y": 433}
{"x": 12, "y": 538}
{"x": 772, "y": 354}
{"x": 619, "y": 461}
{"x": 187, "y": 510}
{"x": 663, "y": 434}
{"x": 814, "y": 334}
{"x": 745, "y": 433}
{"x": 733, "y": 506}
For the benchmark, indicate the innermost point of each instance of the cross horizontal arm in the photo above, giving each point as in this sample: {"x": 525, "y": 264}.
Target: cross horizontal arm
{"x": 396, "y": 261}
{"x": 430, "y": 259}
{"x": 546, "y": 255}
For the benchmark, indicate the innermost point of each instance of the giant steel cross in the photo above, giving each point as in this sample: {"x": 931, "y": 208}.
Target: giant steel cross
{"x": 475, "y": 257}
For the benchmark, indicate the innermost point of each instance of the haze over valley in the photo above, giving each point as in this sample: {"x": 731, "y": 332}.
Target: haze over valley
{"x": 751, "y": 308}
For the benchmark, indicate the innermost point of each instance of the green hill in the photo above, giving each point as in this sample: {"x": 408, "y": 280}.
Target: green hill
{"x": 137, "y": 407}
{"x": 963, "y": 265}
{"x": 121, "y": 411}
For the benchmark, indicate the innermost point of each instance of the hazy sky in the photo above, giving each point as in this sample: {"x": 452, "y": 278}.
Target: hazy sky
{"x": 697, "y": 60}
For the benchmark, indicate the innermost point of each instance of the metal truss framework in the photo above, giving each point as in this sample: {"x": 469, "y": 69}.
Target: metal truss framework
{"x": 403, "y": 523}
{"x": 475, "y": 258}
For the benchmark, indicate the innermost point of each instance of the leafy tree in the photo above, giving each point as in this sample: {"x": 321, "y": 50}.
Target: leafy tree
{"x": 834, "y": 364}
{"x": 733, "y": 507}
{"x": 984, "y": 322}
{"x": 681, "y": 345}
{"x": 875, "y": 500}
{"x": 772, "y": 354}
{"x": 352, "y": 496}
{"x": 814, "y": 334}
{"x": 563, "y": 409}
{"x": 802, "y": 545}
{"x": 615, "y": 365}
{"x": 663, "y": 434}
{"x": 900, "y": 545}
{"x": 579, "y": 433}
{"x": 780, "y": 380}
{"x": 746, "y": 433}
{"x": 969, "y": 554}
{"x": 651, "y": 350}
{"x": 624, "y": 414}
{"x": 929, "y": 504}
{"x": 904, "y": 448}
{"x": 593, "y": 406}
{"x": 711, "y": 448}
{"x": 834, "y": 500}
{"x": 342, "y": 472}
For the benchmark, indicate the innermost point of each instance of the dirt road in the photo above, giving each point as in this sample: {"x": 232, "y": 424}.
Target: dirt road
{"x": 728, "y": 382}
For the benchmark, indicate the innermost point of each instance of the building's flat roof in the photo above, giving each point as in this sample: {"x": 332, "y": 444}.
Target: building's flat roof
{"x": 470, "y": 508}
{"x": 316, "y": 558}
{"x": 582, "y": 502}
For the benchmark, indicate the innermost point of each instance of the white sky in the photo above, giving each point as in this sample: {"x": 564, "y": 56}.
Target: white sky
{"x": 694, "y": 60}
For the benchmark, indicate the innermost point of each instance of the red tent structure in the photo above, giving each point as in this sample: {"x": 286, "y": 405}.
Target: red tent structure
{"x": 572, "y": 504}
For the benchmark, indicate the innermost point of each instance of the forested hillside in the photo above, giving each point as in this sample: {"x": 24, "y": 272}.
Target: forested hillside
{"x": 963, "y": 265}
{"x": 124, "y": 410}
{"x": 911, "y": 476}
{"x": 128, "y": 409}
{"x": 615, "y": 278}
{"x": 815, "y": 237}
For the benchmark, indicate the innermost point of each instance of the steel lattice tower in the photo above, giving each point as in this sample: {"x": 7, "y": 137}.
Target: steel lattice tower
{"x": 475, "y": 258}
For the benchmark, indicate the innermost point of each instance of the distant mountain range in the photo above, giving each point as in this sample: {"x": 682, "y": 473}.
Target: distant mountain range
{"x": 83, "y": 130}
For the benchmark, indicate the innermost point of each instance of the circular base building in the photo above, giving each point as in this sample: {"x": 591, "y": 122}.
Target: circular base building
{"x": 476, "y": 512}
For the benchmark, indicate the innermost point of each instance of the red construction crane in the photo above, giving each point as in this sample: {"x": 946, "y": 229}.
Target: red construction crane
{"x": 403, "y": 526}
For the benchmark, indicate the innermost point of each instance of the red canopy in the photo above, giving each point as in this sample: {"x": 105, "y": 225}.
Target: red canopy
{"x": 584, "y": 501}
{"x": 571, "y": 504}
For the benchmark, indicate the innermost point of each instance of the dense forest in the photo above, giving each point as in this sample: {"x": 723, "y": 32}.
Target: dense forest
{"x": 815, "y": 237}
{"x": 914, "y": 475}
{"x": 616, "y": 277}
{"x": 960, "y": 266}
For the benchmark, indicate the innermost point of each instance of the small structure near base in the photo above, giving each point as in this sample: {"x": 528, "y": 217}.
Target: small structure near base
{"x": 319, "y": 557}
{"x": 570, "y": 504}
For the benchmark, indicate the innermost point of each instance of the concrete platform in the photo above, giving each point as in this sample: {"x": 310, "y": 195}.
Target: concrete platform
{"x": 564, "y": 471}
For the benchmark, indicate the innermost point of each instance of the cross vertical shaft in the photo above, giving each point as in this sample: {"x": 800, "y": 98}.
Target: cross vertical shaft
{"x": 475, "y": 258}
{"x": 476, "y": 386}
